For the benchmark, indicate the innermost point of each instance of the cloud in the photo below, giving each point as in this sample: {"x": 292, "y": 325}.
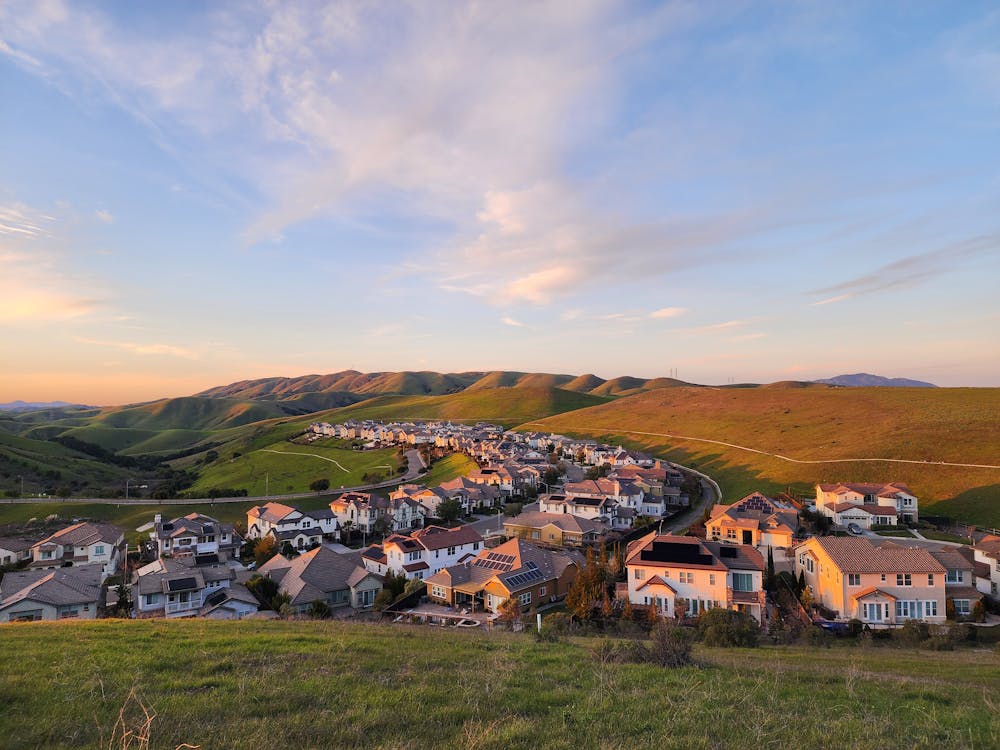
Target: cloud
{"x": 668, "y": 312}
{"x": 104, "y": 217}
{"x": 572, "y": 314}
{"x": 36, "y": 284}
{"x": 748, "y": 337}
{"x": 507, "y": 320}
{"x": 910, "y": 271}
{"x": 142, "y": 349}
{"x": 726, "y": 326}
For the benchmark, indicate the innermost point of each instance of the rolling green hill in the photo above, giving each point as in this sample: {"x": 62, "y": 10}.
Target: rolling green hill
{"x": 47, "y": 466}
{"x": 322, "y": 684}
{"x": 818, "y": 423}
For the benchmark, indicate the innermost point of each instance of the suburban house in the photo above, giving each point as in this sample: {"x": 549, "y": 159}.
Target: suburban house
{"x": 959, "y": 580}
{"x": 14, "y": 550}
{"x": 423, "y": 552}
{"x": 429, "y": 497}
{"x": 81, "y": 544}
{"x": 867, "y": 504}
{"x": 560, "y": 529}
{"x": 55, "y": 594}
{"x": 987, "y": 565}
{"x": 339, "y": 580}
{"x": 195, "y": 534}
{"x": 473, "y": 496}
{"x": 361, "y": 511}
{"x": 514, "y": 569}
{"x": 673, "y": 572}
{"x": 756, "y": 520}
{"x": 302, "y": 529}
{"x": 181, "y": 587}
{"x": 881, "y": 585}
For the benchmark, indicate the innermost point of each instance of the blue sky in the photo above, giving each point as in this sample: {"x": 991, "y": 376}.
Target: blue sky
{"x": 195, "y": 193}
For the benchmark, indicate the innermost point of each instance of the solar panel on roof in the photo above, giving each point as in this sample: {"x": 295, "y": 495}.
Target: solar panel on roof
{"x": 727, "y": 551}
{"x": 181, "y": 584}
{"x": 168, "y": 527}
{"x": 216, "y": 598}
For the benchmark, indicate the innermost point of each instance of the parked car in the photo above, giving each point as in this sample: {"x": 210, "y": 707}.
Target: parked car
{"x": 853, "y": 528}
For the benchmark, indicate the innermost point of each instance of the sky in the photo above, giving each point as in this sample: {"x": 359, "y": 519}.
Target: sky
{"x": 193, "y": 193}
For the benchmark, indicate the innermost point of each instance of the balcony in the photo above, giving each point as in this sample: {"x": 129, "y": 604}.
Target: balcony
{"x": 176, "y": 607}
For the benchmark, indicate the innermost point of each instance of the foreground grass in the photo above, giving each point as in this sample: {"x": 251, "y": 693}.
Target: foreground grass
{"x": 310, "y": 684}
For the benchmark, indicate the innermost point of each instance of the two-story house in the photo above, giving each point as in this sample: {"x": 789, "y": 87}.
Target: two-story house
{"x": 338, "y": 580}
{"x": 756, "y": 519}
{"x": 959, "y": 580}
{"x": 867, "y": 505}
{"x": 559, "y": 529}
{"x": 81, "y": 544}
{"x": 302, "y": 529}
{"x": 195, "y": 534}
{"x": 471, "y": 495}
{"x": 423, "y": 552}
{"x": 53, "y": 594}
{"x": 664, "y": 570}
{"x": 533, "y": 575}
{"x": 174, "y": 587}
{"x": 987, "y": 565}
{"x": 881, "y": 585}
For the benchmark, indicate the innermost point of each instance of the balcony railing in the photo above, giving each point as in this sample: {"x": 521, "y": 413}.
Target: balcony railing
{"x": 181, "y": 606}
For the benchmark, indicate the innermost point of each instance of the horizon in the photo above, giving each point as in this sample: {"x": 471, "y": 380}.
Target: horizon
{"x": 197, "y": 194}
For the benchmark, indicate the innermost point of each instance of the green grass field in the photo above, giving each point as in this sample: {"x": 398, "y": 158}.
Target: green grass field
{"x": 292, "y": 467}
{"x": 921, "y": 424}
{"x": 448, "y": 468}
{"x": 321, "y": 684}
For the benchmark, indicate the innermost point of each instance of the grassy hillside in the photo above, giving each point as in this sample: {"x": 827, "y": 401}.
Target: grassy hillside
{"x": 347, "y": 381}
{"x": 507, "y": 406}
{"x": 818, "y": 422}
{"x": 292, "y": 467}
{"x": 46, "y": 466}
{"x": 448, "y": 468}
{"x": 324, "y": 684}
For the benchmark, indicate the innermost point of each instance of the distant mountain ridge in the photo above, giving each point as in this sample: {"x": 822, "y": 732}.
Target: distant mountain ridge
{"x": 39, "y": 405}
{"x": 867, "y": 380}
{"x": 426, "y": 383}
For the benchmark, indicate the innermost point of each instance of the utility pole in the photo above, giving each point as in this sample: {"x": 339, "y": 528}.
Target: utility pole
{"x": 21, "y": 477}
{"x": 267, "y": 486}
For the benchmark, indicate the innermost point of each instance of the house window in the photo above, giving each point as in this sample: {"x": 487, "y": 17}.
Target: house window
{"x": 853, "y": 579}
{"x": 743, "y": 582}
{"x": 873, "y": 612}
{"x": 536, "y": 534}
{"x": 904, "y": 579}
{"x": 437, "y": 592}
{"x": 961, "y": 606}
{"x": 955, "y": 576}
{"x": 640, "y": 574}
{"x": 930, "y": 608}
{"x": 711, "y": 579}
{"x": 883, "y": 578}
{"x": 730, "y": 533}
{"x": 99, "y": 549}
{"x": 930, "y": 579}
{"x": 152, "y": 599}
{"x": 46, "y": 555}
{"x": 541, "y": 591}
{"x": 686, "y": 577}
{"x": 475, "y": 545}
{"x": 525, "y": 598}
{"x": 809, "y": 564}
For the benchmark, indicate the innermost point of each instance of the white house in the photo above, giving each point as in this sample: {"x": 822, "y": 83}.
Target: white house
{"x": 424, "y": 552}
{"x": 178, "y": 587}
{"x": 52, "y": 594}
{"x": 81, "y": 544}
{"x": 867, "y": 504}
{"x": 300, "y": 528}
{"x": 195, "y": 534}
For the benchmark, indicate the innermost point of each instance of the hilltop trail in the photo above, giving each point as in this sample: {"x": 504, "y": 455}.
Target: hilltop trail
{"x": 625, "y": 431}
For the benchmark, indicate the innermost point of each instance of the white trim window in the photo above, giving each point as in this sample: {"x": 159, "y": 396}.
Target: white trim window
{"x": 525, "y": 598}
{"x": 437, "y": 592}
{"x": 853, "y": 579}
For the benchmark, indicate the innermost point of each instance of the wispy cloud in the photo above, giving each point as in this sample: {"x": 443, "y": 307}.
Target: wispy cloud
{"x": 507, "y": 320}
{"x": 725, "y": 326}
{"x": 748, "y": 337}
{"x": 910, "y": 271}
{"x": 166, "y": 350}
{"x": 103, "y": 216}
{"x": 668, "y": 312}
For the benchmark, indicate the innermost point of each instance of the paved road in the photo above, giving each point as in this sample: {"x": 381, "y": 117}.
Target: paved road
{"x": 415, "y": 469}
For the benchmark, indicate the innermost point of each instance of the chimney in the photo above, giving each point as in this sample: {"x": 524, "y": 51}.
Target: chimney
{"x": 157, "y": 518}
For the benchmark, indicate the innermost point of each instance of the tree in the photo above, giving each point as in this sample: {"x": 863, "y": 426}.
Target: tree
{"x": 263, "y": 588}
{"x": 288, "y": 550}
{"x": 280, "y": 603}
{"x": 806, "y": 597}
{"x": 728, "y": 627}
{"x": 596, "y": 472}
{"x": 382, "y": 526}
{"x": 383, "y": 599}
{"x": 510, "y": 611}
{"x": 123, "y": 607}
{"x": 769, "y": 578}
{"x": 346, "y": 528}
{"x": 319, "y": 610}
{"x": 319, "y": 485}
{"x": 449, "y": 509}
{"x": 627, "y": 611}
{"x": 587, "y": 590}
{"x": 680, "y": 607}
{"x": 265, "y": 549}
{"x": 394, "y": 583}
{"x": 606, "y": 608}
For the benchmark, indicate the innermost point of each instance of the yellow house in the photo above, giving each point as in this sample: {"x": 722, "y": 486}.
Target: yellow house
{"x": 560, "y": 529}
{"x": 881, "y": 585}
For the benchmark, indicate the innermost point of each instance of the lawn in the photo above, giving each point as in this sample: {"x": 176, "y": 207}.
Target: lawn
{"x": 898, "y": 533}
{"x": 944, "y": 536}
{"x": 448, "y": 468}
{"x": 319, "y": 684}
{"x": 285, "y": 467}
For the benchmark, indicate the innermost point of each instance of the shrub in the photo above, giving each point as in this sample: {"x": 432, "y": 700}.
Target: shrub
{"x": 671, "y": 645}
{"x": 854, "y": 627}
{"x": 979, "y": 612}
{"x": 939, "y": 643}
{"x": 727, "y": 627}
{"x": 320, "y": 610}
{"x": 621, "y": 652}
{"x": 913, "y": 633}
{"x": 320, "y": 485}
{"x": 812, "y": 635}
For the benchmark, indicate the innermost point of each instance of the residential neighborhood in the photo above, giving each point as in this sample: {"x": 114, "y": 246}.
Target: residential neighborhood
{"x": 520, "y": 527}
